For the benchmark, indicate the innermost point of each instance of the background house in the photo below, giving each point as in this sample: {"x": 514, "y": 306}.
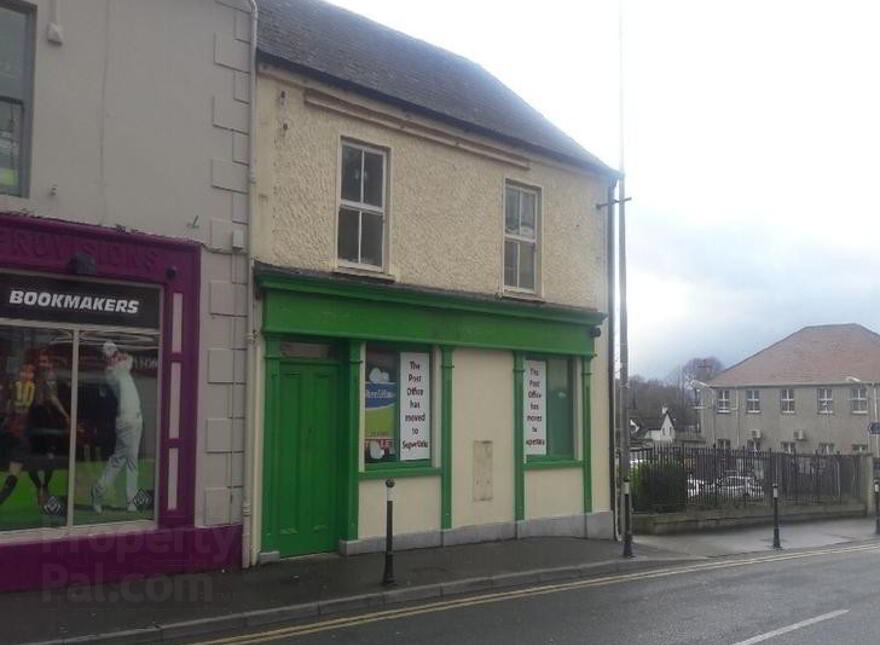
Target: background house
{"x": 815, "y": 390}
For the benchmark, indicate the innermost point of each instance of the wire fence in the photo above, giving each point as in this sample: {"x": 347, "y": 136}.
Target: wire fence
{"x": 667, "y": 479}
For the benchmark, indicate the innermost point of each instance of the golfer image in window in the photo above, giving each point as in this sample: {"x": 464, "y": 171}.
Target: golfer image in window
{"x": 129, "y": 427}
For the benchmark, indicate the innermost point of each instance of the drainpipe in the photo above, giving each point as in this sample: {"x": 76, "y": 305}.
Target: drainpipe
{"x": 250, "y": 431}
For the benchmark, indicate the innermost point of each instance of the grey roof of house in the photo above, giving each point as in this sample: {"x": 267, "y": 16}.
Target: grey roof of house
{"x": 345, "y": 49}
{"x": 817, "y": 355}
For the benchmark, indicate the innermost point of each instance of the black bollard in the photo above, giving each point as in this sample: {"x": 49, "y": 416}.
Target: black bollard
{"x": 877, "y": 507}
{"x": 388, "y": 575}
{"x": 627, "y": 521}
{"x": 776, "y": 542}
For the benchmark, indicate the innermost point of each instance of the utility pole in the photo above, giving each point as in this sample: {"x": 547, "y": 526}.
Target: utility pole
{"x": 626, "y": 508}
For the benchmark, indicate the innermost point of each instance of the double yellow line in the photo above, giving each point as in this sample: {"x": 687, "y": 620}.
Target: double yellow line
{"x": 472, "y": 601}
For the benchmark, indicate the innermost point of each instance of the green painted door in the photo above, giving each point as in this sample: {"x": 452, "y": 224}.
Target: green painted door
{"x": 304, "y": 467}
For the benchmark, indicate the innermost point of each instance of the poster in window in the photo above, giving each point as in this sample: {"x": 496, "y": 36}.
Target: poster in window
{"x": 535, "y": 407}
{"x": 415, "y": 415}
{"x": 380, "y": 407}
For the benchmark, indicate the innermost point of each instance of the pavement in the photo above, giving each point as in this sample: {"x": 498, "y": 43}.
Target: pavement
{"x": 794, "y": 535}
{"x": 168, "y": 608}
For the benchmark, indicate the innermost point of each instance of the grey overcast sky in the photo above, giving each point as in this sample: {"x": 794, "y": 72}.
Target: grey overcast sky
{"x": 752, "y": 132}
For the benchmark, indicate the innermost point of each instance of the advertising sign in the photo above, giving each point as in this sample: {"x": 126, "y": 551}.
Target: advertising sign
{"x": 78, "y": 301}
{"x": 415, "y": 416}
{"x": 535, "y": 407}
{"x": 381, "y": 399}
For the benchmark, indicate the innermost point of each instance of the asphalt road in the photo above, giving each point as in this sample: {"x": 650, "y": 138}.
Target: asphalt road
{"x": 822, "y": 596}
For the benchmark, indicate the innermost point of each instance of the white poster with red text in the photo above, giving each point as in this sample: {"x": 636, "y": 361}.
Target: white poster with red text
{"x": 415, "y": 406}
{"x": 535, "y": 407}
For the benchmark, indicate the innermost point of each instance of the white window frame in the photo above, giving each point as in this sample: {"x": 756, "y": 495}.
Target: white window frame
{"x": 825, "y": 400}
{"x": 788, "y": 447}
{"x": 539, "y": 224}
{"x": 698, "y": 399}
{"x": 753, "y": 401}
{"x": 858, "y": 399}
{"x": 363, "y": 207}
{"x": 27, "y": 101}
{"x": 826, "y": 448}
{"x": 786, "y": 401}
{"x": 723, "y": 402}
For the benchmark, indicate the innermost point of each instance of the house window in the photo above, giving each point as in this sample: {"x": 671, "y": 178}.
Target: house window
{"x": 858, "y": 399}
{"x": 788, "y": 447}
{"x": 397, "y": 405}
{"x": 548, "y": 408}
{"x": 826, "y": 400}
{"x": 786, "y": 400}
{"x": 860, "y": 447}
{"x": 723, "y": 443}
{"x": 80, "y": 404}
{"x": 753, "y": 401}
{"x": 723, "y": 401}
{"x": 16, "y": 79}
{"x": 753, "y": 445}
{"x": 521, "y": 225}
{"x": 698, "y": 399}
{"x": 826, "y": 448}
{"x": 362, "y": 206}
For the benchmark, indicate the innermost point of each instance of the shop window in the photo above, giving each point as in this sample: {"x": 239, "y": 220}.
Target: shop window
{"x": 16, "y": 79}
{"x": 362, "y": 207}
{"x": 80, "y": 403}
{"x": 397, "y": 406}
{"x": 548, "y": 408}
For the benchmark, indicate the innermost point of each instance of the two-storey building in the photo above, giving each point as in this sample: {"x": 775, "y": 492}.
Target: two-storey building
{"x": 815, "y": 390}
{"x": 432, "y": 272}
{"x": 124, "y": 142}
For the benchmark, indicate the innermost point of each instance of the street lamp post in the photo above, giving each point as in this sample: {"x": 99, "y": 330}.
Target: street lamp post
{"x": 706, "y": 387}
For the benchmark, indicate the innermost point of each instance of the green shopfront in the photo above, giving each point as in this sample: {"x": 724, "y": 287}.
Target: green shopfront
{"x": 479, "y": 408}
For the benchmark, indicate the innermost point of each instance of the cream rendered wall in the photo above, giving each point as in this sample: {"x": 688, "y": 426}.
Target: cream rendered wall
{"x": 140, "y": 121}
{"x": 445, "y": 204}
{"x": 416, "y": 506}
{"x": 554, "y": 493}
{"x": 482, "y": 394}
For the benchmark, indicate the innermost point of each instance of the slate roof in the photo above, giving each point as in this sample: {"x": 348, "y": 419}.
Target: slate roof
{"x": 817, "y": 355}
{"x": 348, "y": 50}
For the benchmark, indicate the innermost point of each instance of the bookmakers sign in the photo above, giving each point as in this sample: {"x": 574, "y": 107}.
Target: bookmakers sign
{"x": 76, "y": 301}
{"x": 535, "y": 408}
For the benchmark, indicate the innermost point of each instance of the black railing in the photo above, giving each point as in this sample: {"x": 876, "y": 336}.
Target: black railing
{"x": 667, "y": 479}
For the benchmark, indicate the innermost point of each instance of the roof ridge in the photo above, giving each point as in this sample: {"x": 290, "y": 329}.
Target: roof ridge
{"x": 338, "y": 45}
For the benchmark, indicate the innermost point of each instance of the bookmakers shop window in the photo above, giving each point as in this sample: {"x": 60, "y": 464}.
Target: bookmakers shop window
{"x": 79, "y": 399}
{"x": 548, "y": 408}
{"x": 397, "y": 405}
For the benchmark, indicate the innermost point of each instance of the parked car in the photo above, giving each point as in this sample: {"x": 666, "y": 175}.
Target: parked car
{"x": 695, "y": 487}
{"x": 739, "y": 487}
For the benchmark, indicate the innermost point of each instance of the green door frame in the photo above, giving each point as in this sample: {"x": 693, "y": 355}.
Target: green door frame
{"x": 349, "y": 364}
